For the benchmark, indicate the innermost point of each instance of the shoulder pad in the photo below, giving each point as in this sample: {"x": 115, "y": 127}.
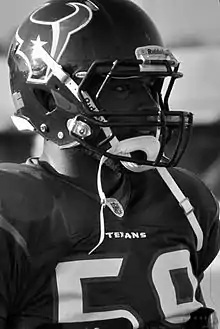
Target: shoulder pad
{"x": 23, "y": 192}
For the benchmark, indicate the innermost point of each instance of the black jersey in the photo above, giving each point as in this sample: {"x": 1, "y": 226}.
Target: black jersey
{"x": 146, "y": 270}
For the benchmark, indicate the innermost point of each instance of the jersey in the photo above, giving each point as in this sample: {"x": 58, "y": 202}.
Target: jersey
{"x": 146, "y": 271}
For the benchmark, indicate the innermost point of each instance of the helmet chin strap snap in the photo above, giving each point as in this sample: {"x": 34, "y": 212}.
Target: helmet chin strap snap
{"x": 147, "y": 144}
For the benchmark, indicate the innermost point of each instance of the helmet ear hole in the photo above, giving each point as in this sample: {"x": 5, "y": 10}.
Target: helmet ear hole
{"x": 46, "y": 99}
{"x": 51, "y": 103}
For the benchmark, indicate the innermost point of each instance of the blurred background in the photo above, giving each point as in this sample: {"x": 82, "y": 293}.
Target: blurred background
{"x": 191, "y": 29}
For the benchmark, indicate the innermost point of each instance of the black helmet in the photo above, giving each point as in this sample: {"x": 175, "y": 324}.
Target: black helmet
{"x": 64, "y": 47}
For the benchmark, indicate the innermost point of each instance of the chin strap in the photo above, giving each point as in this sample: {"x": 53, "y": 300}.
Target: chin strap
{"x": 113, "y": 204}
{"x": 184, "y": 203}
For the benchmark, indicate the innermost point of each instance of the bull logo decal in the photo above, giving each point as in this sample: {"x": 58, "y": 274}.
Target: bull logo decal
{"x": 53, "y": 35}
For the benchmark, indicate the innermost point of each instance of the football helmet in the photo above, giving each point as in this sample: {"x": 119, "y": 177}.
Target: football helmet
{"x": 65, "y": 57}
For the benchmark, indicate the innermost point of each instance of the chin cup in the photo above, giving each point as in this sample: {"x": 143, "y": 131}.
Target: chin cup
{"x": 147, "y": 144}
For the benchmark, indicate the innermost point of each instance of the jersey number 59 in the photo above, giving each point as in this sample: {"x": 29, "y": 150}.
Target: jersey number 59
{"x": 70, "y": 293}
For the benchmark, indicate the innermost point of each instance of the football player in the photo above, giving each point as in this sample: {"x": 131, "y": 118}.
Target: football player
{"x": 102, "y": 230}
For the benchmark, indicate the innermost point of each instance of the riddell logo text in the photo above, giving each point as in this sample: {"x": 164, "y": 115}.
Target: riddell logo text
{"x": 126, "y": 235}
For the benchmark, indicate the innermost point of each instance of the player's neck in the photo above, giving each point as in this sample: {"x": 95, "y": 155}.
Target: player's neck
{"x": 81, "y": 167}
